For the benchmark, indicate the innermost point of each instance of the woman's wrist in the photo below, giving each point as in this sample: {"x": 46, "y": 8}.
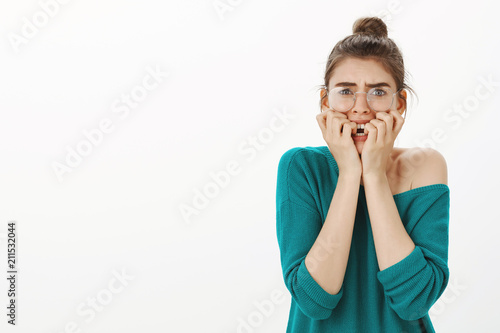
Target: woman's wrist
{"x": 351, "y": 174}
{"x": 374, "y": 177}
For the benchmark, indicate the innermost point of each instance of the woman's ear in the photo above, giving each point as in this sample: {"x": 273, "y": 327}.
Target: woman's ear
{"x": 324, "y": 100}
{"x": 402, "y": 102}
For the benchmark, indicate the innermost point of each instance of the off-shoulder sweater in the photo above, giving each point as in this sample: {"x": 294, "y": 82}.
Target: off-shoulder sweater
{"x": 396, "y": 299}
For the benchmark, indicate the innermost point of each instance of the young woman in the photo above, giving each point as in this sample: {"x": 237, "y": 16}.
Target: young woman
{"x": 362, "y": 226}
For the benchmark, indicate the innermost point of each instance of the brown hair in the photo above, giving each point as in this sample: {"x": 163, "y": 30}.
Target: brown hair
{"x": 369, "y": 41}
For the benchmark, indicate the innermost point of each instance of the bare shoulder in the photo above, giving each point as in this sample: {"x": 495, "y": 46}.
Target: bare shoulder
{"x": 427, "y": 166}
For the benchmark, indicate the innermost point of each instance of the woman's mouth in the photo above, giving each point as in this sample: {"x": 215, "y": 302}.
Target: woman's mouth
{"x": 360, "y": 135}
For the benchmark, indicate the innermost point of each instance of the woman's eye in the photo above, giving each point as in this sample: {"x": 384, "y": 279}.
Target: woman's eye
{"x": 379, "y": 92}
{"x": 345, "y": 92}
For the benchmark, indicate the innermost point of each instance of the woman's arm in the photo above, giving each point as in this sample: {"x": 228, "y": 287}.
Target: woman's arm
{"x": 392, "y": 242}
{"x": 299, "y": 223}
{"x": 326, "y": 261}
{"x": 413, "y": 281}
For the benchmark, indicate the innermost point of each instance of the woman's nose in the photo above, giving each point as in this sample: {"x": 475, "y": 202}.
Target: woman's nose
{"x": 361, "y": 104}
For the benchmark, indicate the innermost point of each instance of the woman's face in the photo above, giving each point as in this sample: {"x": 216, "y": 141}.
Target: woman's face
{"x": 361, "y": 75}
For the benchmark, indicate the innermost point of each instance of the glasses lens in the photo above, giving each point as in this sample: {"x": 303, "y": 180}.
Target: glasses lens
{"x": 341, "y": 99}
{"x": 380, "y": 99}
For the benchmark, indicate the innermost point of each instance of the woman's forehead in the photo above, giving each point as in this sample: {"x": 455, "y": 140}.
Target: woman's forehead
{"x": 361, "y": 72}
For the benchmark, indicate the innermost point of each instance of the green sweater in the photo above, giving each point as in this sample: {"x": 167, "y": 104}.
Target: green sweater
{"x": 396, "y": 299}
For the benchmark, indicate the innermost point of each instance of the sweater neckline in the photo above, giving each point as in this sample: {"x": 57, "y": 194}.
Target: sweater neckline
{"x": 417, "y": 190}
{"x": 397, "y": 195}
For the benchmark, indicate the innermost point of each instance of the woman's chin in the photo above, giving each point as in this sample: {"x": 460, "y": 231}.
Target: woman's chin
{"x": 359, "y": 146}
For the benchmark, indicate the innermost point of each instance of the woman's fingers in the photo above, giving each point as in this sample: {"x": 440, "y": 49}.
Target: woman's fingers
{"x": 336, "y": 123}
{"x": 371, "y": 130}
{"x": 321, "y": 119}
{"x": 381, "y": 129}
{"x": 349, "y": 128}
{"x": 398, "y": 121}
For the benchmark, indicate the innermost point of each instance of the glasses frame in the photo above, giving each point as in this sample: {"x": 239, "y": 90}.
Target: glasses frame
{"x": 354, "y": 98}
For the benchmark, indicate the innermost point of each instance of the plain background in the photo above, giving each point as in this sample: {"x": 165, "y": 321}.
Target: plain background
{"x": 229, "y": 74}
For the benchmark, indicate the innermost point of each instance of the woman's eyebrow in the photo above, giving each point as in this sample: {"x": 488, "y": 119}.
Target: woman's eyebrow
{"x": 379, "y": 84}
{"x": 346, "y": 84}
{"x": 369, "y": 85}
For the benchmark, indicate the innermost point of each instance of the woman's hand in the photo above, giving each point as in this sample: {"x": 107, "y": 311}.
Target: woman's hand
{"x": 337, "y": 130}
{"x": 382, "y": 133}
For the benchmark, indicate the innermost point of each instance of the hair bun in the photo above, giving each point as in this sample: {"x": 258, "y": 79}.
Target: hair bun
{"x": 370, "y": 26}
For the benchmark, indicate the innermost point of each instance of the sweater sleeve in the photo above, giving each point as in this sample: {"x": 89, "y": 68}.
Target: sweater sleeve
{"x": 298, "y": 225}
{"x": 416, "y": 282}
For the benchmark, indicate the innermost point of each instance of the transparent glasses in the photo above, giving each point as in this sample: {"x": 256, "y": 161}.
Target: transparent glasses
{"x": 379, "y": 99}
